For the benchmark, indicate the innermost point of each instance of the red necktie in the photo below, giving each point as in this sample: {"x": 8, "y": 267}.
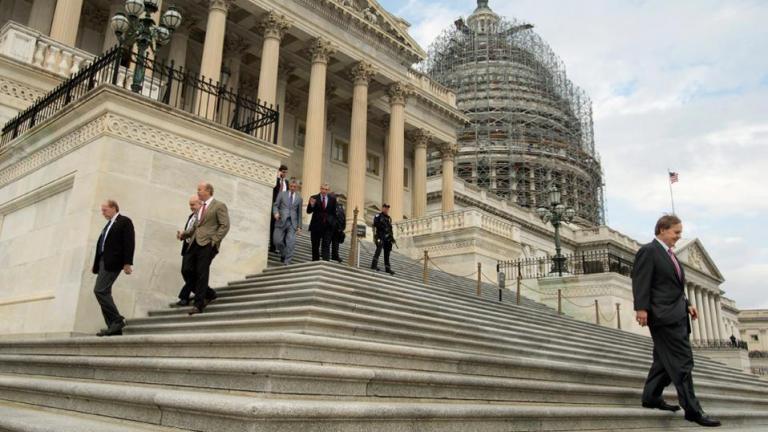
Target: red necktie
{"x": 202, "y": 212}
{"x": 677, "y": 265}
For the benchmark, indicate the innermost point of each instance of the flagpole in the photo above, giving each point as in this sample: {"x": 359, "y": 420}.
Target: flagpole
{"x": 671, "y": 196}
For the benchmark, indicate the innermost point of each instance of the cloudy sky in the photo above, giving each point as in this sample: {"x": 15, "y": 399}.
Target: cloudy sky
{"x": 675, "y": 84}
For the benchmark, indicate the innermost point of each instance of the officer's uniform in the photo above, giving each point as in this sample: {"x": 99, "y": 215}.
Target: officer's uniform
{"x": 382, "y": 235}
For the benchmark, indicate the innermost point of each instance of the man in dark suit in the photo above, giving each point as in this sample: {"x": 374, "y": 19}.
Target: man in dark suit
{"x": 658, "y": 286}
{"x": 322, "y": 207}
{"x": 205, "y": 241}
{"x": 114, "y": 253}
{"x": 281, "y": 185}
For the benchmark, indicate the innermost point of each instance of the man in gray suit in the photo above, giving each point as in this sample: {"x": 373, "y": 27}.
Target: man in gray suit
{"x": 205, "y": 240}
{"x": 287, "y": 214}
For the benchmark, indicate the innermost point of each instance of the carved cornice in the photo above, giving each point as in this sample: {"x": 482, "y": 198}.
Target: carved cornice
{"x": 398, "y": 93}
{"x": 274, "y": 25}
{"x": 362, "y": 73}
{"x": 321, "y": 50}
{"x": 145, "y": 135}
{"x": 18, "y": 90}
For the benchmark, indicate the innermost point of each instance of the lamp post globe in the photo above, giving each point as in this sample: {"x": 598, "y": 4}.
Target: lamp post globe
{"x": 120, "y": 24}
{"x": 134, "y": 8}
{"x": 171, "y": 18}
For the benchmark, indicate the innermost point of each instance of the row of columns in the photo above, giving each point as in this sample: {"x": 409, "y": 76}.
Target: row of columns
{"x": 709, "y": 326}
{"x": 65, "y": 15}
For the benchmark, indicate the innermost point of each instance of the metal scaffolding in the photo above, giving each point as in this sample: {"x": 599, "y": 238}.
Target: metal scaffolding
{"x": 530, "y": 126}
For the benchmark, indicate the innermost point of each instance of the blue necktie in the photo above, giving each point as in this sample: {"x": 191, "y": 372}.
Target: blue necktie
{"x": 103, "y": 236}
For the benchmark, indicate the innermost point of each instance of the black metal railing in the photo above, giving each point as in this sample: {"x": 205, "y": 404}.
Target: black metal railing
{"x": 720, "y": 344}
{"x": 592, "y": 262}
{"x": 758, "y": 354}
{"x": 760, "y": 371}
{"x": 162, "y": 82}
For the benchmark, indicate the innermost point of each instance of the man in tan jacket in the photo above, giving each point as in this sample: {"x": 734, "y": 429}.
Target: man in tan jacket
{"x": 205, "y": 240}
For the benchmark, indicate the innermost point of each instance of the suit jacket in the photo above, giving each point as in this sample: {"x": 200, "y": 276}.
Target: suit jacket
{"x": 184, "y": 243}
{"x": 322, "y": 218}
{"x": 289, "y": 213}
{"x": 279, "y": 182}
{"x": 213, "y": 227}
{"x": 118, "y": 247}
{"x": 656, "y": 286}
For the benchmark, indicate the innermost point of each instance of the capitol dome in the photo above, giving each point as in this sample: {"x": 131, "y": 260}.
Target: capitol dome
{"x": 530, "y": 126}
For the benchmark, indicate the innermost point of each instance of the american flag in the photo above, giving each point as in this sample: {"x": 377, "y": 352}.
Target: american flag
{"x": 673, "y": 177}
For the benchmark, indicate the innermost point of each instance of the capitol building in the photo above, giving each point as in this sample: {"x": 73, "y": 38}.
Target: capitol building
{"x": 511, "y": 307}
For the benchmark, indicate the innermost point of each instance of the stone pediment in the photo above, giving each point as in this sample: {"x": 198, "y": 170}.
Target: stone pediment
{"x": 376, "y": 16}
{"x": 695, "y": 256}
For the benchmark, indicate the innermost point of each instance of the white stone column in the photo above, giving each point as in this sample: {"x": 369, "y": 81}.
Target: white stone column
{"x": 713, "y": 320}
{"x": 41, "y": 15}
{"x": 66, "y": 21}
{"x": 448, "y": 152}
{"x": 321, "y": 51}
{"x": 358, "y": 140}
{"x": 284, "y": 72}
{"x": 213, "y": 49}
{"x": 421, "y": 141}
{"x": 393, "y": 178}
{"x": 719, "y": 316}
{"x": 700, "y": 307}
{"x": 273, "y": 26}
{"x": 707, "y": 315}
{"x": 694, "y": 324}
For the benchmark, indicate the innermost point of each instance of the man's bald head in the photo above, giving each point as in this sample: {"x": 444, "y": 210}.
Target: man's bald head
{"x": 194, "y": 203}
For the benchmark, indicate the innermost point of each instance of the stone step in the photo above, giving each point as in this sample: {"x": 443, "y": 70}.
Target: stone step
{"x": 310, "y": 314}
{"x": 16, "y": 417}
{"x": 343, "y": 352}
{"x": 391, "y": 302}
{"x": 311, "y": 378}
{"x": 235, "y": 411}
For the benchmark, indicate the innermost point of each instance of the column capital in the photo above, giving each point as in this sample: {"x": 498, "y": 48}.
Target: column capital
{"x": 362, "y": 73}
{"x": 398, "y": 93}
{"x": 449, "y": 151}
{"x": 222, "y": 5}
{"x": 321, "y": 50}
{"x": 420, "y": 138}
{"x": 285, "y": 68}
{"x": 274, "y": 25}
{"x": 235, "y": 46}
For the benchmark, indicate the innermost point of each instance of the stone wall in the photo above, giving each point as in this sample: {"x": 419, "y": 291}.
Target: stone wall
{"x": 113, "y": 144}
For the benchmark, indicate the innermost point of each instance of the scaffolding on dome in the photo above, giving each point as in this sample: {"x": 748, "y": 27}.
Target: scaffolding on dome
{"x": 530, "y": 125}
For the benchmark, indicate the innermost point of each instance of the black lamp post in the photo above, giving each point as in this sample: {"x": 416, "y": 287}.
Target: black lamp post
{"x": 556, "y": 214}
{"x": 131, "y": 28}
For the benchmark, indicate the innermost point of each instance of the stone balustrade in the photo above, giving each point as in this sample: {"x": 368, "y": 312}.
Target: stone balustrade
{"x": 421, "y": 81}
{"x": 34, "y": 48}
{"x": 460, "y": 219}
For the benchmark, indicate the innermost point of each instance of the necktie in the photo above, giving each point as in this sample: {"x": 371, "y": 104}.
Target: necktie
{"x": 103, "y": 236}
{"x": 323, "y": 201}
{"x": 674, "y": 261}
{"x": 290, "y": 199}
{"x": 202, "y": 212}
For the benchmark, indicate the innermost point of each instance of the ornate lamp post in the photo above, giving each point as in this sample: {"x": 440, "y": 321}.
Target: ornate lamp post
{"x": 131, "y": 28}
{"x": 556, "y": 214}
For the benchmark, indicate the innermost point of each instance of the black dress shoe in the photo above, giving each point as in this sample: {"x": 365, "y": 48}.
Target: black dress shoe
{"x": 390, "y": 271}
{"x": 703, "y": 420}
{"x": 102, "y": 332}
{"x": 210, "y": 300}
{"x": 114, "y": 329}
{"x": 181, "y": 303}
{"x": 195, "y": 311}
{"x": 375, "y": 268}
{"x": 662, "y": 405}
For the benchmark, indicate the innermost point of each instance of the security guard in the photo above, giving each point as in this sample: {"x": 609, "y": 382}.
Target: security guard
{"x": 382, "y": 236}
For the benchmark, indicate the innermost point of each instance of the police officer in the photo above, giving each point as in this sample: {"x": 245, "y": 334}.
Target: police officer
{"x": 382, "y": 236}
